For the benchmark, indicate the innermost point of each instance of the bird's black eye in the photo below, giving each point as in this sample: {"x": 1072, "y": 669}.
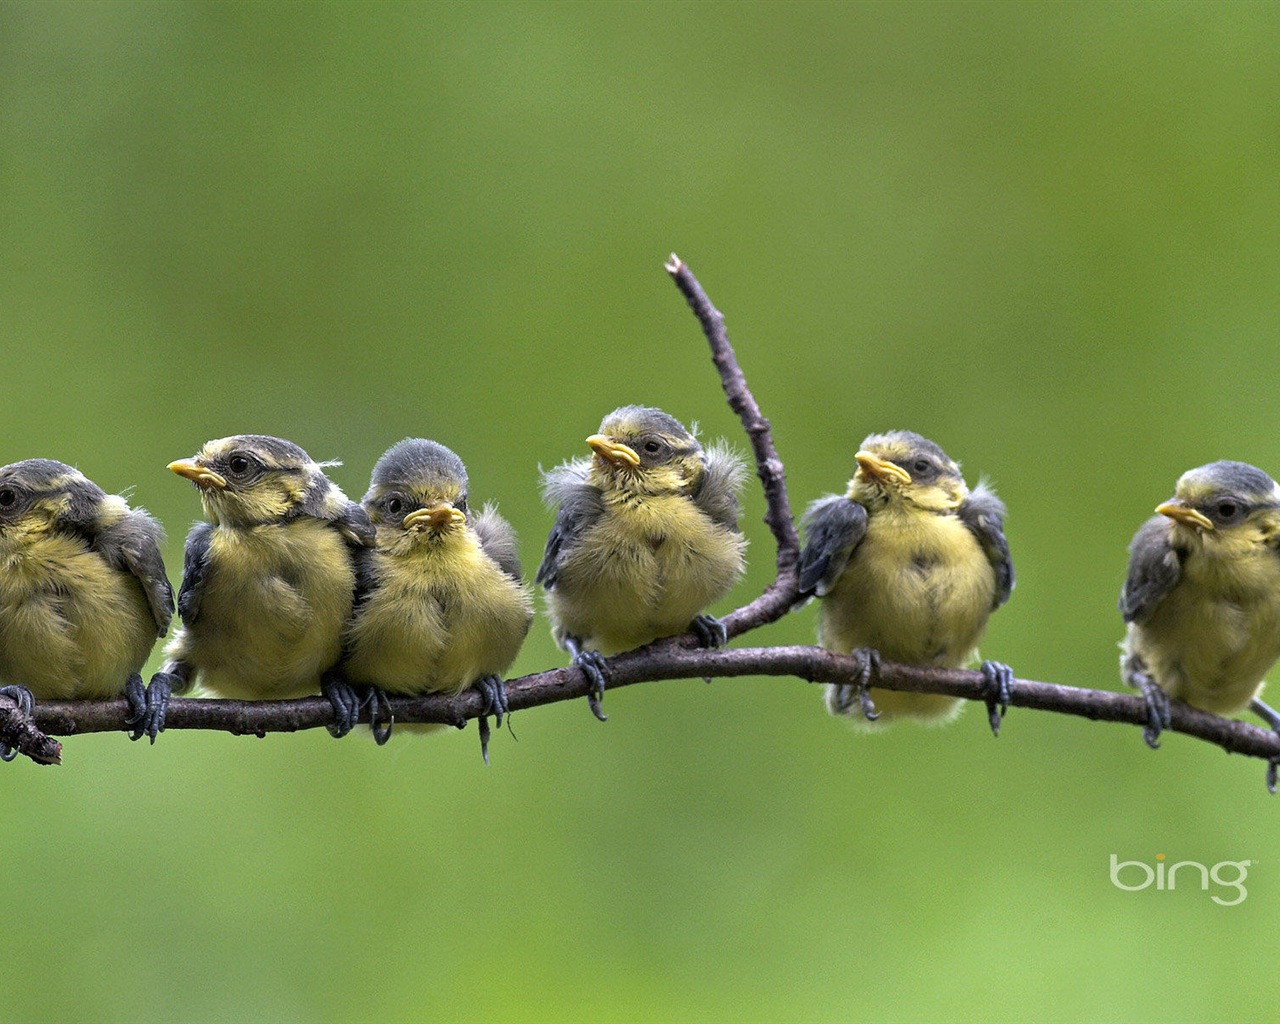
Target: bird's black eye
{"x": 461, "y": 503}
{"x": 1227, "y": 509}
{"x": 920, "y": 467}
{"x": 653, "y": 447}
{"x": 238, "y": 464}
{"x": 8, "y": 497}
{"x": 394, "y": 505}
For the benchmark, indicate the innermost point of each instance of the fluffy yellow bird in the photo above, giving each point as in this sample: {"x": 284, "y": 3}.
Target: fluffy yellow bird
{"x": 83, "y": 590}
{"x": 909, "y": 564}
{"x": 646, "y": 537}
{"x": 1202, "y": 597}
{"x": 441, "y": 605}
{"x": 268, "y": 582}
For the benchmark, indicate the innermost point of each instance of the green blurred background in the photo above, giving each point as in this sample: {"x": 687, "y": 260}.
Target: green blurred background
{"x": 1047, "y": 236}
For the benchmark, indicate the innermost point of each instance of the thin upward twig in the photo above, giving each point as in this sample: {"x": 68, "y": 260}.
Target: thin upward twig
{"x": 673, "y": 658}
{"x": 781, "y": 593}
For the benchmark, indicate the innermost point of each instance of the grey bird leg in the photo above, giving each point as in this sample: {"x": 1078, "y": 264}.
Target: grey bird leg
{"x": 868, "y": 670}
{"x": 596, "y": 670}
{"x": 999, "y": 677}
{"x": 709, "y": 630}
{"x": 378, "y": 703}
{"x": 494, "y": 694}
{"x": 1272, "y": 717}
{"x": 1135, "y": 674}
{"x": 136, "y": 693}
{"x": 346, "y": 703}
{"x": 21, "y": 696}
{"x": 148, "y": 719}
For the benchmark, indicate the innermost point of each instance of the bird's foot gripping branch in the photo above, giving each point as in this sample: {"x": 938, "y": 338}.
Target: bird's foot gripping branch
{"x": 680, "y": 657}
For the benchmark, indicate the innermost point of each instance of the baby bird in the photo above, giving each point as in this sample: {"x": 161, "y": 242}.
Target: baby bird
{"x": 83, "y": 591}
{"x": 646, "y": 537}
{"x": 268, "y": 582}
{"x": 1202, "y": 597}
{"x": 441, "y": 605}
{"x": 910, "y": 564}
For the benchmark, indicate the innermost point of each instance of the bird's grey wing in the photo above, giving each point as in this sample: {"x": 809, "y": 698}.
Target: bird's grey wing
{"x": 323, "y": 500}
{"x": 1154, "y": 569}
{"x": 717, "y": 493}
{"x": 580, "y": 506}
{"x": 195, "y": 569}
{"x": 366, "y": 576}
{"x": 983, "y": 513}
{"x": 356, "y": 526}
{"x": 833, "y": 528}
{"x": 133, "y": 544}
{"x": 498, "y": 541}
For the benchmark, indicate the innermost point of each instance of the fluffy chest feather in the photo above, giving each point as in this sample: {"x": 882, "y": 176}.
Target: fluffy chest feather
{"x": 440, "y": 617}
{"x": 918, "y": 589}
{"x": 70, "y": 625}
{"x": 644, "y": 570}
{"x": 274, "y": 604}
{"x": 1217, "y": 633}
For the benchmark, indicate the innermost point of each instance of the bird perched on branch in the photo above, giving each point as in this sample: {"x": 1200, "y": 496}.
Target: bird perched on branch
{"x": 268, "y": 581}
{"x": 910, "y": 564}
{"x": 440, "y": 602}
{"x": 1202, "y": 596}
{"x": 646, "y": 537}
{"x": 83, "y": 591}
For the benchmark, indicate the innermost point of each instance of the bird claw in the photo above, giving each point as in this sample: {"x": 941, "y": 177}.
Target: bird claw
{"x": 868, "y": 670}
{"x": 148, "y": 707}
{"x": 999, "y": 678}
{"x": 21, "y": 696}
{"x": 377, "y": 704}
{"x": 1158, "y": 714}
{"x": 709, "y": 630}
{"x": 136, "y": 694}
{"x": 1134, "y": 671}
{"x": 346, "y": 704}
{"x": 494, "y": 702}
{"x": 595, "y": 668}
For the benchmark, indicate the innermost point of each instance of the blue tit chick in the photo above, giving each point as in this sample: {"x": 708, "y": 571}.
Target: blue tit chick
{"x": 646, "y": 537}
{"x": 83, "y": 590}
{"x": 268, "y": 582}
{"x": 1202, "y": 596}
{"x": 441, "y": 605}
{"x": 909, "y": 565}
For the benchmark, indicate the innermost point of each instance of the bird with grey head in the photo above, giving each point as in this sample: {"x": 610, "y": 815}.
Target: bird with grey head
{"x": 1201, "y": 598}
{"x": 268, "y": 581}
{"x": 83, "y": 594}
{"x": 646, "y": 538}
{"x": 909, "y": 564}
{"x": 440, "y": 602}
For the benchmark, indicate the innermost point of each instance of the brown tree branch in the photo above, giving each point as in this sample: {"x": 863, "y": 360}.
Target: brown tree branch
{"x": 666, "y": 659}
{"x": 20, "y": 734}
{"x": 672, "y": 658}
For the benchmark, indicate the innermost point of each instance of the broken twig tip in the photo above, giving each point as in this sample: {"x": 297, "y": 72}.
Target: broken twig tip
{"x": 673, "y": 264}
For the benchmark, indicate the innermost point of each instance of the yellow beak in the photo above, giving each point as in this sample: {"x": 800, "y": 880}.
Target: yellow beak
{"x": 197, "y": 474}
{"x": 613, "y": 452}
{"x": 1185, "y": 514}
{"x": 437, "y": 517}
{"x": 881, "y": 470}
